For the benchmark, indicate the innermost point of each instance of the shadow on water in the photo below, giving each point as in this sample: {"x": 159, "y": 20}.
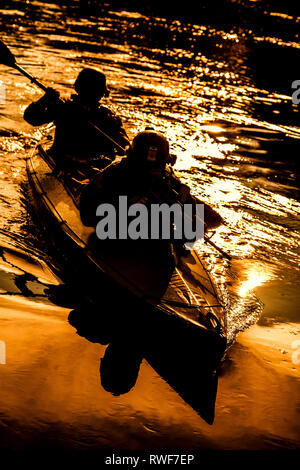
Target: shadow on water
{"x": 172, "y": 354}
{"x": 173, "y": 349}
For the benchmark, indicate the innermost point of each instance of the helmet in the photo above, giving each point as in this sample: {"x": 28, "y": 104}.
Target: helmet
{"x": 91, "y": 81}
{"x": 149, "y": 147}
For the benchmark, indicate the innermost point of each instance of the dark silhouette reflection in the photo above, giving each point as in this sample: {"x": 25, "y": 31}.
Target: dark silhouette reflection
{"x": 175, "y": 351}
{"x": 120, "y": 365}
{"x": 119, "y": 368}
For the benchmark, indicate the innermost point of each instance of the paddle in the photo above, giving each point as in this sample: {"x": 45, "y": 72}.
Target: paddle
{"x": 8, "y": 59}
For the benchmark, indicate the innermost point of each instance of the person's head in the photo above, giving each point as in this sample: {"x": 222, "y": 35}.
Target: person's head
{"x": 150, "y": 152}
{"x": 91, "y": 85}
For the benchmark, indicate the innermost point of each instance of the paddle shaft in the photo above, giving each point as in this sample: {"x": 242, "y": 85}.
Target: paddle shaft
{"x": 207, "y": 239}
{"x": 31, "y": 78}
{"x": 226, "y": 255}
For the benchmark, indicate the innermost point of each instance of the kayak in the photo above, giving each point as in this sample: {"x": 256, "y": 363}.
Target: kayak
{"x": 180, "y": 289}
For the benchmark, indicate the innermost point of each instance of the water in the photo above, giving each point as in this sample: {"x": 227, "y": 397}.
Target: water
{"x": 221, "y": 93}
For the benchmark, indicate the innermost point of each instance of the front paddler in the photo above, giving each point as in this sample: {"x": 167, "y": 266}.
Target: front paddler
{"x": 145, "y": 176}
{"x": 76, "y": 141}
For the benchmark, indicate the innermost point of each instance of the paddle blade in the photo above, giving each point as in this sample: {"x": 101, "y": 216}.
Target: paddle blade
{"x": 6, "y": 57}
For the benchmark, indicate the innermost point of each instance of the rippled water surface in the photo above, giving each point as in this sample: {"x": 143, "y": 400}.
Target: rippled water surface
{"x": 221, "y": 93}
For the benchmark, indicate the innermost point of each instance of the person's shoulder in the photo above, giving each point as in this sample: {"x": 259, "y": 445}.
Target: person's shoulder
{"x": 108, "y": 113}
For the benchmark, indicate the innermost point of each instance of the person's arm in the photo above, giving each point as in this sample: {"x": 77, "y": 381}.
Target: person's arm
{"x": 44, "y": 110}
{"x": 212, "y": 218}
{"x": 121, "y": 136}
{"x": 117, "y": 131}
